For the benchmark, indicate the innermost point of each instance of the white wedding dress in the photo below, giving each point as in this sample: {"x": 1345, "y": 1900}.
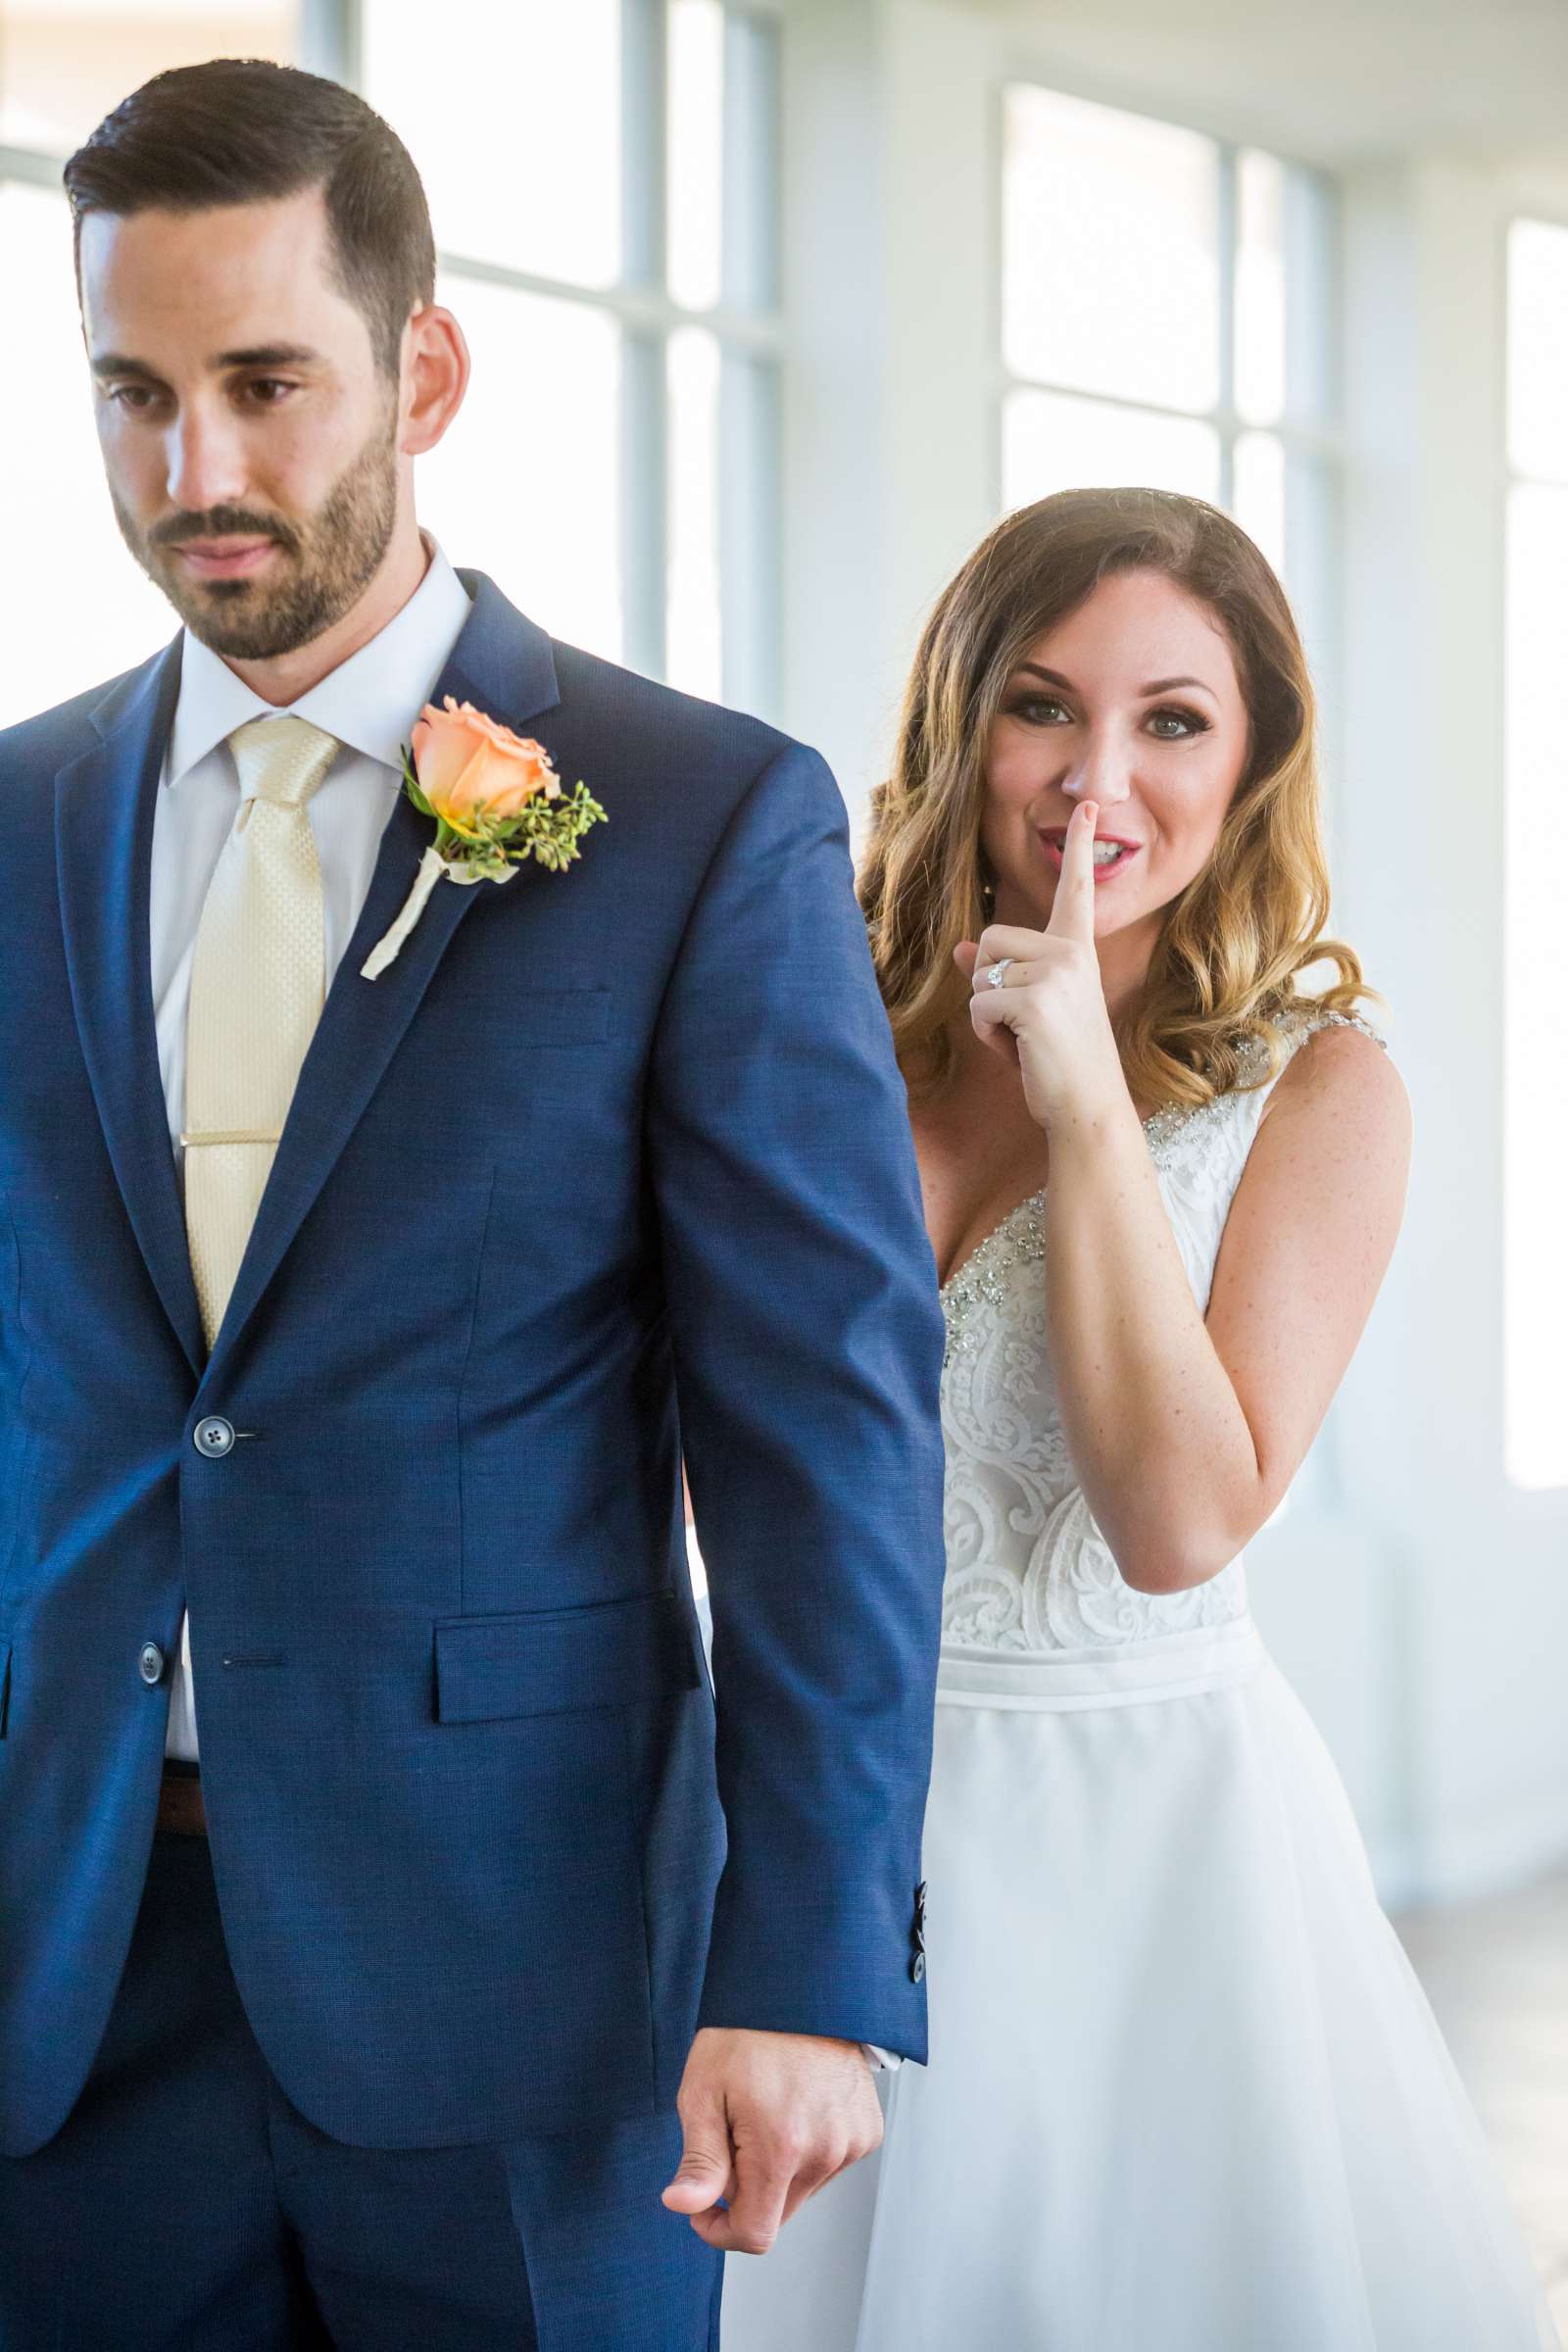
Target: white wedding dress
{"x": 1185, "y": 2092}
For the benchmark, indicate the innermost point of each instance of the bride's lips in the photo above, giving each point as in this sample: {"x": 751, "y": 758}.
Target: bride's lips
{"x": 1054, "y": 843}
{"x": 225, "y": 559}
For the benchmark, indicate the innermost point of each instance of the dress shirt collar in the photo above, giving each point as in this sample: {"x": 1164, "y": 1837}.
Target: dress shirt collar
{"x": 370, "y": 702}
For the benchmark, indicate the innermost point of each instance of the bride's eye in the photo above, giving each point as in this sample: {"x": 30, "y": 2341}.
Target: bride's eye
{"x": 1175, "y": 723}
{"x": 1041, "y": 711}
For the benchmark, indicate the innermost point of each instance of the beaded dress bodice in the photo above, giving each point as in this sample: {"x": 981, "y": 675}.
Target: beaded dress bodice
{"x": 1027, "y": 1566}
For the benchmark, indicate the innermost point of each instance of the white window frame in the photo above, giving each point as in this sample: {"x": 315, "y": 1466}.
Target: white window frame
{"x": 747, "y": 322}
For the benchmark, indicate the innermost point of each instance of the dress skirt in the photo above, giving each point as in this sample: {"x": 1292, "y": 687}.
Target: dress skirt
{"x": 1185, "y": 2092}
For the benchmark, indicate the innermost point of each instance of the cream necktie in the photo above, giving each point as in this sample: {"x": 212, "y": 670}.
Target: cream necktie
{"x": 257, "y": 986}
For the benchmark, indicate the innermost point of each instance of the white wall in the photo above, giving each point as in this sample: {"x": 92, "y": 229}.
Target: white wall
{"x": 1417, "y": 1602}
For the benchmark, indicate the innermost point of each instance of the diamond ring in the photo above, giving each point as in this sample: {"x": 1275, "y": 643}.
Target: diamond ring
{"x": 997, "y": 973}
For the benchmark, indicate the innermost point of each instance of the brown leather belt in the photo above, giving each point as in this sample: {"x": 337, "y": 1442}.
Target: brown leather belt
{"x": 179, "y": 1804}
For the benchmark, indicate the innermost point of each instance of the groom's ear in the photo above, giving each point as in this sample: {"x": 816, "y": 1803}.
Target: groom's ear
{"x": 433, "y": 378}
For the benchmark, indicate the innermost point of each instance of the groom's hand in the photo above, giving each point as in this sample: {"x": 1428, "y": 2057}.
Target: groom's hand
{"x": 766, "y": 2119}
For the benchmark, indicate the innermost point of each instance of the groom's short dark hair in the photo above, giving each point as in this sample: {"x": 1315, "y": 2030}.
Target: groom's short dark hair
{"x": 240, "y": 131}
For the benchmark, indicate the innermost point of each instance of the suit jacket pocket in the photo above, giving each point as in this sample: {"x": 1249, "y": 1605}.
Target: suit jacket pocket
{"x": 613, "y": 1654}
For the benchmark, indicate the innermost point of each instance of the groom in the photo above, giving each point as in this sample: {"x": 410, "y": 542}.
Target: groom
{"x": 391, "y": 1955}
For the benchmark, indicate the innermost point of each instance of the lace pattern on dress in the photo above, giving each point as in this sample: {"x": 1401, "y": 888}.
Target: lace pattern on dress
{"x": 1027, "y": 1565}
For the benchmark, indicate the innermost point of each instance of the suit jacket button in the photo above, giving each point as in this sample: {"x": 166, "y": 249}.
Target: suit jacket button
{"x": 215, "y": 1436}
{"x": 917, "y": 1969}
{"x": 150, "y": 1663}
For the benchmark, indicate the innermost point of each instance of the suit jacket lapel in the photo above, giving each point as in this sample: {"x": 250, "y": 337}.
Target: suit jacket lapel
{"x": 104, "y": 807}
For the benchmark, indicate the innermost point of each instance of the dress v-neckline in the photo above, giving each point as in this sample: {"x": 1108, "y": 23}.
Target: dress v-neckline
{"x": 985, "y": 1239}
{"x": 1034, "y": 1200}
{"x": 1173, "y": 1115}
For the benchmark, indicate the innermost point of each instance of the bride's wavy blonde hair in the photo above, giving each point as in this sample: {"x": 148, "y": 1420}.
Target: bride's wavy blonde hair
{"x": 1225, "y": 962}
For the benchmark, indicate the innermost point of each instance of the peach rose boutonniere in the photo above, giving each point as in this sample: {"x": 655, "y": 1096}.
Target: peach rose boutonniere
{"x": 495, "y": 799}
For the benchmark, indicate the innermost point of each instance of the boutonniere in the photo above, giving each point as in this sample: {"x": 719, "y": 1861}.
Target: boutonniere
{"x": 495, "y": 799}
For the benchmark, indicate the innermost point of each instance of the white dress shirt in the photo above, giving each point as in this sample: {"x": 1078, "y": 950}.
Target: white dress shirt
{"x": 370, "y": 702}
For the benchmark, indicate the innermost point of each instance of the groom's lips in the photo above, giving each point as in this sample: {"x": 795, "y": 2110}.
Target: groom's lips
{"x": 225, "y": 559}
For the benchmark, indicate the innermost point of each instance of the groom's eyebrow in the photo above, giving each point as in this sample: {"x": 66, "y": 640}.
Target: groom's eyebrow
{"x": 254, "y": 354}
{"x": 118, "y": 362}
{"x": 268, "y": 354}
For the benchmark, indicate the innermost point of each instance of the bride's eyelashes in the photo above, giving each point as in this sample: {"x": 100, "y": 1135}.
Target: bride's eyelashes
{"x": 1171, "y": 722}
{"x": 1040, "y": 711}
{"x": 1188, "y": 723}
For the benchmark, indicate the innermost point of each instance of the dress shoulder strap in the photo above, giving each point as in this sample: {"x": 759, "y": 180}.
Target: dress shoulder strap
{"x": 1297, "y": 1027}
{"x": 1225, "y": 1127}
{"x": 1309, "y": 1019}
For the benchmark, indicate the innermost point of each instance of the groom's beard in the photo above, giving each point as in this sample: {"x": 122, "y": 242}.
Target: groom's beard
{"x": 323, "y": 567}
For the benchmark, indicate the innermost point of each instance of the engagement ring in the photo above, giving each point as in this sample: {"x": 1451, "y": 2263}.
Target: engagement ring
{"x": 997, "y": 973}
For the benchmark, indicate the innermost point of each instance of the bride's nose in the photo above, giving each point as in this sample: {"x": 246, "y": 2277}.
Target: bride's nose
{"x": 1104, "y": 773}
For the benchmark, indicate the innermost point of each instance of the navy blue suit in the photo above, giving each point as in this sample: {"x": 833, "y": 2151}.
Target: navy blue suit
{"x": 606, "y": 1167}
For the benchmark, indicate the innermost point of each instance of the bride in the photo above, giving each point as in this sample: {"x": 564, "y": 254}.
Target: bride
{"x": 1185, "y": 2093}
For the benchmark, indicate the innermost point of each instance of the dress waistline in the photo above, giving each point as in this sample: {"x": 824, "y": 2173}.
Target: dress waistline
{"x": 1166, "y": 1666}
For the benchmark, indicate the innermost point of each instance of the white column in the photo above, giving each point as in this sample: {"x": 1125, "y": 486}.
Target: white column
{"x": 889, "y": 299}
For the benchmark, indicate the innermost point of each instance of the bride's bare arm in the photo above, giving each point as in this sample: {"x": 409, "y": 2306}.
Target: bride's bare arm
{"x": 1185, "y": 1433}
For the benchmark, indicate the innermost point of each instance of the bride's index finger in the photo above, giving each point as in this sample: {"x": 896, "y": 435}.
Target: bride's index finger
{"x": 1072, "y": 910}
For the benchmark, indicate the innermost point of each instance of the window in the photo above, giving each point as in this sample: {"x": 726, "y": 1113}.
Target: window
{"x": 1166, "y": 319}
{"x": 1535, "y": 970}
{"x": 603, "y": 195}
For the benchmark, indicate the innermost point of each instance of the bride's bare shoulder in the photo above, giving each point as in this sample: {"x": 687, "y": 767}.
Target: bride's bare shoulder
{"x": 1342, "y": 1082}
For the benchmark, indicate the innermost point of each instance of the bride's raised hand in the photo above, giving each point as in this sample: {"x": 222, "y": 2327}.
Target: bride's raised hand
{"x": 1047, "y": 1009}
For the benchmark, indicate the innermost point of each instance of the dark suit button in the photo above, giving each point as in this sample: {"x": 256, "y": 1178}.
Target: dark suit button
{"x": 917, "y": 1968}
{"x": 215, "y": 1436}
{"x": 150, "y": 1663}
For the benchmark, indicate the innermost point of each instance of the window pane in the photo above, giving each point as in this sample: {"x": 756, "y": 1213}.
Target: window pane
{"x": 1258, "y": 503}
{"x": 513, "y": 116}
{"x": 696, "y": 151}
{"x": 693, "y": 660}
{"x": 1536, "y": 1129}
{"x": 1111, "y": 252}
{"x": 1310, "y": 240}
{"x": 65, "y": 63}
{"x": 527, "y": 484}
{"x": 64, "y": 554}
{"x": 1259, "y": 287}
{"x": 1052, "y": 441}
{"x": 1538, "y": 349}
{"x": 751, "y": 171}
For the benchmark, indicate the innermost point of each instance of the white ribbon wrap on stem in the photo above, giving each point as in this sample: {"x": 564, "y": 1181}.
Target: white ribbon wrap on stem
{"x": 432, "y": 865}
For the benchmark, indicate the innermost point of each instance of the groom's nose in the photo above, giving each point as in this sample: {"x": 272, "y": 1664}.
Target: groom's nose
{"x": 204, "y": 459}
